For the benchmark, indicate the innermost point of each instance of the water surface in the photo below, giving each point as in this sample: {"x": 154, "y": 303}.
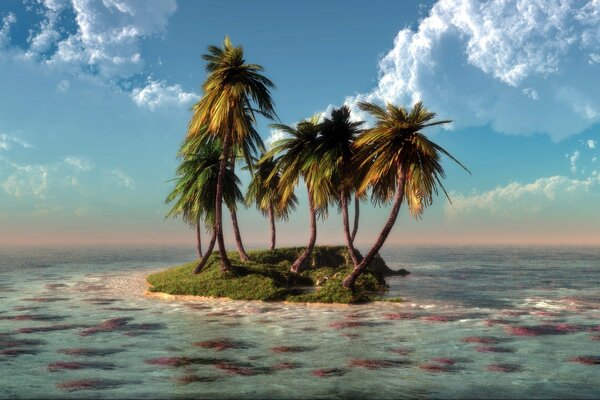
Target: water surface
{"x": 501, "y": 322}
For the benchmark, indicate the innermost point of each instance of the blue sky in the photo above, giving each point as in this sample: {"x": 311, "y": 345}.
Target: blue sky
{"x": 95, "y": 99}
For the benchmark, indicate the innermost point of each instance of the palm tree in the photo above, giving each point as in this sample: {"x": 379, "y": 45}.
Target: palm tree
{"x": 234, "y": 92}
{"x": 336, "y": 153}
{"x": 401, "y": 163}
{"x": 195, "y": 188}
{"x": 298, "y": 158}
{"x": 264, "y": 193}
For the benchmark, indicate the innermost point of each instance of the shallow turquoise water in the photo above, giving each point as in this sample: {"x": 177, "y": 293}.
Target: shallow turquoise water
{"x": 477, "y": 322}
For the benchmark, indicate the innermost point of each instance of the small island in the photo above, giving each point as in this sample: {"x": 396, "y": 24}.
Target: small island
{"x": 267, "y": 277}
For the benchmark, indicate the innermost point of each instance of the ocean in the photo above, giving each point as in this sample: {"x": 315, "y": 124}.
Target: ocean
{"x": 476, "y": 322}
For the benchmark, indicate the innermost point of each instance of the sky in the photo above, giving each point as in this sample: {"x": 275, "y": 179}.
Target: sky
{"x": 95, "y": 98}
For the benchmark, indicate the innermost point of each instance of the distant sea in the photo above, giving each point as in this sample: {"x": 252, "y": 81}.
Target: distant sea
{"x": 476, "y": 322}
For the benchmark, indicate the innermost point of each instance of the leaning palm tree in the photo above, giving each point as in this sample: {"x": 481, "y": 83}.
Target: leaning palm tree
{"x": 298, "y": 158}
{"x": 263, "y": 191}
{"x": 336, "y": 153}
{"x": 234, "y": 92}
{"x": 401, "y": 164}
{"x": 195, "y": 188}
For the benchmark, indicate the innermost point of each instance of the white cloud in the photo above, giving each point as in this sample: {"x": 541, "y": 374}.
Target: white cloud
{"x": 27, "y": 180}
{"x": 106, "y": 44}
{"x": 79, "y": 163}
{"x": 36, "y": 180}
{"x": 122, "y": 179}
{"x": 516, "y": 198}
{"x": 109, "y": 34}
{"x": 158, "y": 94}
{"x": 591, "y": 143}
{"x": 7, "y": 141}
{"x": 573, "y": 160}
{"x": 276, "y": 134}
{"x": 531, "y": 93}
{"x": 473, "y": 61}
{"x": 63, "y": 85}
{"x": 7, "y": 21}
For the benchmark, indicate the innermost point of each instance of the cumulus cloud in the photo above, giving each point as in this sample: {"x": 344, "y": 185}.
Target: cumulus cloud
{"x": 519, "y": 65}
{"x": 122, "y": 179}
{"x": 106, "y": 44}
{"x": 108, "y": 36}
{"x": 516, "y": 198}
{"x": 276, "y": 134}
{"x": 591, "y": 144}
{"x": 159, "y": 94}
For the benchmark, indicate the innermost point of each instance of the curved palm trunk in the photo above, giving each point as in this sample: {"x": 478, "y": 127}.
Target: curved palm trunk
{"x": 272, "y": 221}
{"x": 225, "y": 263}
{"x": 198, "y": 240}
{"x": 351, "y": 278}
{"x": 211, "y": 246}
{"x": 238, "y": 237}
{"x": 346, "y": 223}
{"x": 356, "y": 215}
{"x": 236, "y": 228}
{"x": 298, "y": 265}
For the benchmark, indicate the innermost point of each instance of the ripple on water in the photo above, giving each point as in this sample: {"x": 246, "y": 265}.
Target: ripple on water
{"x": 91, "y": 384}
{"x": 223, "y": 344}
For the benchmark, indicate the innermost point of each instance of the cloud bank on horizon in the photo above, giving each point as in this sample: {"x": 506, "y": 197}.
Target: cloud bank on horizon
{"x": 537, "y": 58}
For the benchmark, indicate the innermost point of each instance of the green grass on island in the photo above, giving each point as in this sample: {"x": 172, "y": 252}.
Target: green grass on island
{"x": 267, "y": 277}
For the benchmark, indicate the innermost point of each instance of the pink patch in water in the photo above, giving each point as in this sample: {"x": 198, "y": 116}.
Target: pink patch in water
{"x": 514, "y": 313}
{"x": 596, "y": 337}
{"x": 47, "y": 299}
{"x": 107, "y": 326}
{"x": 492, "y": 322}
{"x": 587, "y": 360}
{"x": 87, "y": 384}
{"x": 441, "y": 318}
{"x": 434, "y": 368}
{"x": 169, "y": 361}
{"x": 346, "y": 324}
{"x": 491, "y": 349}
{"x": 545, "y": 313}
{"x": 503, "y": 368}
{"x": 328, "y": 372}
{"x": 401, "y": 351}
{"x": 538, "y": 330}
{"x": 236, "y": 369}
{"x": 447, "y": 361}
{"x": 285, "y": 365}
{"x": 400, "y": 316}
{"x": 480, "y": 339}
{"x": 288, "y": 349}
{"x": 374, "y": 364}
{"x": 220, "y": 344}
{"x": 59, "y": 327}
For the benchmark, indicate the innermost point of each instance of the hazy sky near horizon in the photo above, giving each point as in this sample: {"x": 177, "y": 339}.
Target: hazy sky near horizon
{"x": 95, "y": 98}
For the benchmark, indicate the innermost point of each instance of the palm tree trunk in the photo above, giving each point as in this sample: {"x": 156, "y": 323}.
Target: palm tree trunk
{"x": 211, "y": 246}
{"x": 198, "y": 240}
{"x": 298, "y": 265}
{"x": 356, "y": 214}
{"x": 236, "y": 228}
{"x": 346, "y": 223}
{"x": 272, "y": 220}
{"x": 225, "y": 263}
{"x": 351, "y": 278}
